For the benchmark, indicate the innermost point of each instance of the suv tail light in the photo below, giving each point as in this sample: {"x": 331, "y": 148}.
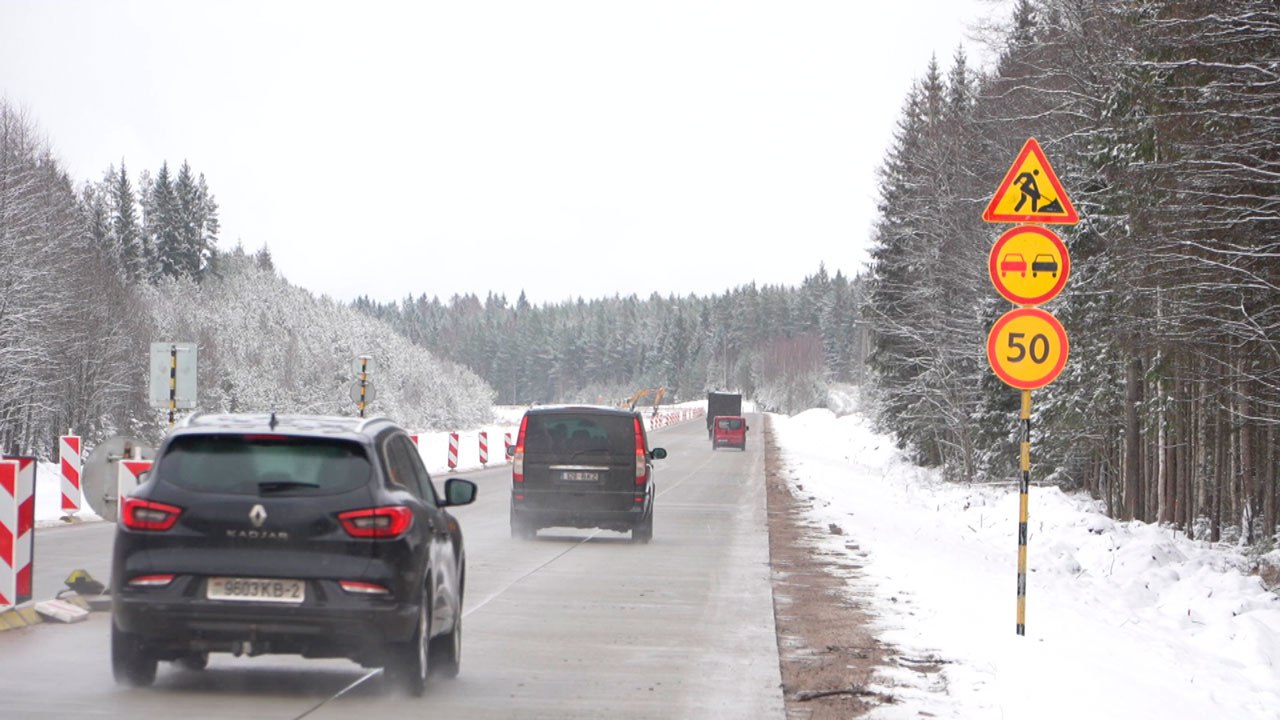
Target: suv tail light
{"x": 138, "y": 514}
{"x": 380, "y": 523}
{"x": 158, "y": 580}
{"x": 361, "y": 587}
{"x": 642, "y": 457}
{"x": 517, "y": 459}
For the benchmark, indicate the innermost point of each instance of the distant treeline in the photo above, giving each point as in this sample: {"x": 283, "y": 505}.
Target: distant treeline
{"x": 782, "y": 346}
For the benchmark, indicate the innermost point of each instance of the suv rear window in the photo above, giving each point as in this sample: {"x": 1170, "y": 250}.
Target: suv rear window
{"x": 564, "y": 434}
{"x": 263, "y": 464}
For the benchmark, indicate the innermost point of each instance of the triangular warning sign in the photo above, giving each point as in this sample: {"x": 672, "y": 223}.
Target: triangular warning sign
{"x": 1031, "y": 192}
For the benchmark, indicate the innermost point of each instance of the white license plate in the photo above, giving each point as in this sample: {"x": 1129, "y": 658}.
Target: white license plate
{"x": 579, "y": 476}
{"x": 256, "y": 589}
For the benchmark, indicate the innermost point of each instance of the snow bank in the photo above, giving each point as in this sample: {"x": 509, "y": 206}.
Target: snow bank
{"x": 1123, "y": 619}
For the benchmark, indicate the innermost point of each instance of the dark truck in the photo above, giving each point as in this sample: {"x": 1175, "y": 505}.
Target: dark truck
{"x": 721, "y": 403}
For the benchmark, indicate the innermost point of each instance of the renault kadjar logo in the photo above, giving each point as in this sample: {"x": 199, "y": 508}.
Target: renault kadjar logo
{"x": 257, "y": 516}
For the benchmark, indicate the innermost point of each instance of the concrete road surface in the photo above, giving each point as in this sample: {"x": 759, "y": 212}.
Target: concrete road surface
{"x": 573, "y": 624}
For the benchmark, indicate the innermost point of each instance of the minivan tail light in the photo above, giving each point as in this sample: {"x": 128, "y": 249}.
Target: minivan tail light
{"x": 517, "y": 458}
{"x": 381, "y": 523}
{"x": 642, "y": 468}
{"x": 148, "y": 515}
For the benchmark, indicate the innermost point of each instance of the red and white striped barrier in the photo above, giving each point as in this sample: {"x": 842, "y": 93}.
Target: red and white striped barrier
{"x": 8, "y": 531}
{"x": 17, "y": 521}
{"x": 128, "y": 477}
{"x": 69, "y": 455}
{"x": 453, "y": 451}
{"x": 670, "y": 417}
{"x": 484, "y": 448}
{"x": 506, "y": 446}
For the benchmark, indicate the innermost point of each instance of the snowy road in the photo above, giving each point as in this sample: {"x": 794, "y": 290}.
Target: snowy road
{"x": 571, "y": 625}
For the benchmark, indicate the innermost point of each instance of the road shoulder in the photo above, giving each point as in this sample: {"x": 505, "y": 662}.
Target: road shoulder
{"x": 826, "y": 647}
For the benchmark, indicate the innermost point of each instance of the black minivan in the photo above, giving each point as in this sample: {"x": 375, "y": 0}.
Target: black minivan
{"x": 583, "y": 467}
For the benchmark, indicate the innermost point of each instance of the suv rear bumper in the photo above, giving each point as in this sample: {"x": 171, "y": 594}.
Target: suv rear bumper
{"x": 174, "y": 624}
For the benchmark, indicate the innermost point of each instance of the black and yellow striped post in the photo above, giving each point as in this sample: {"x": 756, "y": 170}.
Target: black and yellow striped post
{"x": 173, "y": 382}
{"x": 1023, "y": 487}
{"x": 364, "y": 377}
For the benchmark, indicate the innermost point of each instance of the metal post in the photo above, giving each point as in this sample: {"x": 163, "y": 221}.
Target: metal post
{"x": 1023, "y": 487}
{"x": 364, "y": 374}
{"x": 173, "y": 382}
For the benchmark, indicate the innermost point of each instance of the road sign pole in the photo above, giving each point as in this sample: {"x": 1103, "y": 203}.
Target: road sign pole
{"x": 1023, "y": 488}
{"x": 364, "y": 377}
{"x": 173, "y": 382}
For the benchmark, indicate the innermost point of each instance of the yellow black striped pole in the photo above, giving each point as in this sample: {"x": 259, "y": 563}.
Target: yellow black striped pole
{"x": 173, "y": 382}
{"x": 364, "y": 375}
{"x": 1022, "y": 511}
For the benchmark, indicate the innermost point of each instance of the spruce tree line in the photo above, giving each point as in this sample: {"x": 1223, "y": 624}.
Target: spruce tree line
{"x": 168, "y": 228}
{"x": 782, "y": 346}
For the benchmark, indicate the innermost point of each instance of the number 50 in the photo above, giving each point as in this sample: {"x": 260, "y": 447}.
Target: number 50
{"x": 1038, "y": 348}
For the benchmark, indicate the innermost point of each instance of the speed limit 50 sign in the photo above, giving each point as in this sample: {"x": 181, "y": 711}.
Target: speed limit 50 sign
{"x": 1027, "y": 348}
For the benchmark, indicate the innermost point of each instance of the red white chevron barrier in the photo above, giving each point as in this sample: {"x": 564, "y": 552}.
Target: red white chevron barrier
{"x": 69, "y": 455}
{"x": 671, "y": 417}
{"x": 128, "y": 477}
{"x": 17, "y": 520}
{"x": 459, "y": 452}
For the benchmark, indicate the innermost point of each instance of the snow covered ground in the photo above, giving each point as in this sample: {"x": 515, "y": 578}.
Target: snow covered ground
{"x": 1123, "y": 620}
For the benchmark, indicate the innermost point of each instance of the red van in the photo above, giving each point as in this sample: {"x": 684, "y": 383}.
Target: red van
{"x": 729, "y": 431}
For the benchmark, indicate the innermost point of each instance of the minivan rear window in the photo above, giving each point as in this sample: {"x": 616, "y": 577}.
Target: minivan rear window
{"x": 572, "y": 435}
{"x": 729, "y": 423}
{"x": 263, "y": 464}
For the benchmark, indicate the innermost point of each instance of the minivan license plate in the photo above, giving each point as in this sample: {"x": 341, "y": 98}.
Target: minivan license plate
{"x": 579, "y": 476}
{"x": 257, "y": 589}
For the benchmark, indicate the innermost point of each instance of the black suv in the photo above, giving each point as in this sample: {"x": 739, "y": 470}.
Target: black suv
{"x": 584, "y": 467}
{"x": 317, "y": 536}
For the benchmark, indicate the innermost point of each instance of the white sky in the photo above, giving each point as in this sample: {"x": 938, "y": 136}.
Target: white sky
{"x": 569, "y": 149}
{"x": 1123, "y": 620}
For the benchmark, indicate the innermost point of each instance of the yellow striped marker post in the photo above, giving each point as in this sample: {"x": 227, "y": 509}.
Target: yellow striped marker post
{"x": 1023, "y": 488}
{"x": 173, "y": 383}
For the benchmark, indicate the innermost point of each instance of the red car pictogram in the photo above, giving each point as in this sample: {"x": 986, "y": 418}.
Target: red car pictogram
{"x": 1013, "y": 262}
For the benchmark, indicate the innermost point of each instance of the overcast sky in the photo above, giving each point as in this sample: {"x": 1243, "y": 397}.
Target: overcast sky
{"x": 567, "y": 149}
